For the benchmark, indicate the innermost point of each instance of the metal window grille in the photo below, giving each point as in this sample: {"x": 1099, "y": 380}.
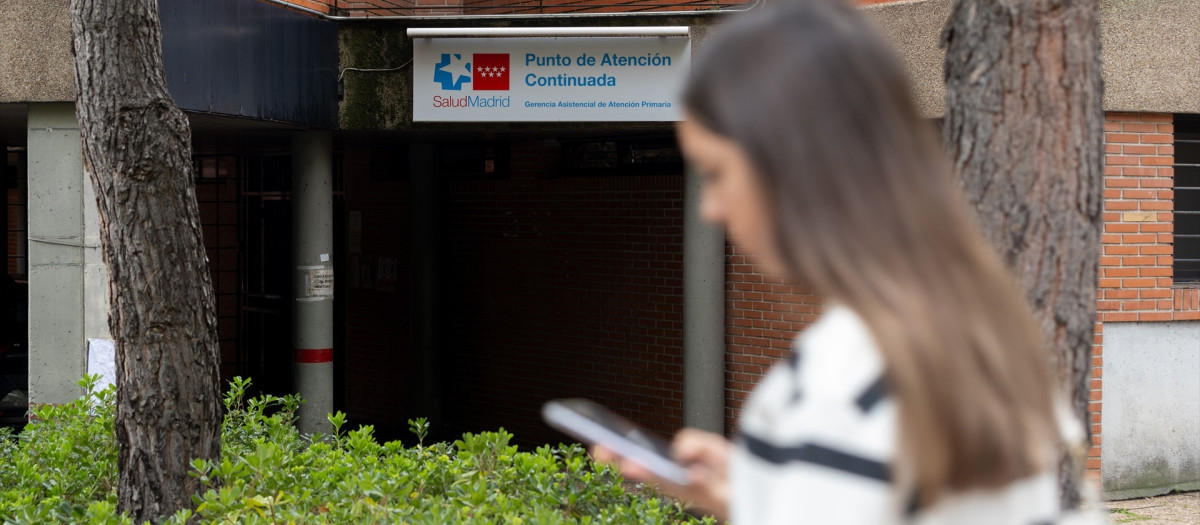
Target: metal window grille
{"x": 1187, "y": 199}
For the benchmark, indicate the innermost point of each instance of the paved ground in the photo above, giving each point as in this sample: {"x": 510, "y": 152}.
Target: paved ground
{"x": 1171, "y": 509}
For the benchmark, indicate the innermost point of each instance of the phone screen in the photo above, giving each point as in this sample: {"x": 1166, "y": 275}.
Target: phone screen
{"x": 595, "y": 424}
{"x": 620, "y": 425}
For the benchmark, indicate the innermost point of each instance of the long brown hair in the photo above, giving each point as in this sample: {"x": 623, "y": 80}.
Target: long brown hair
{"x": 866, "y": 212}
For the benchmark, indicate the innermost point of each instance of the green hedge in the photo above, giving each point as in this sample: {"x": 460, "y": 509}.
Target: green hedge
{"x": 62, "y": 468}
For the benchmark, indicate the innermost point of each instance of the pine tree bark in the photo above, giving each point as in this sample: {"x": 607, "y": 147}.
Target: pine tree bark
{"x": 137, "y": 152}
{"x": 1024, "y": 125}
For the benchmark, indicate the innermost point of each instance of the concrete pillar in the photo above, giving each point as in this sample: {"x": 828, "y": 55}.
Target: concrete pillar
{"x": 424, "y": 252}
{"x": 68, "y": 284}
{"x": 95, "y": 273}
{"x": 703, "y": 315}
{"x": 312, "y": 254}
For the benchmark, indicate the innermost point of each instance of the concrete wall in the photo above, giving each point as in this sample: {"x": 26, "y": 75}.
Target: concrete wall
{"x": 1151, "y": 52}
{"x": 1151, "y": 55}
{"x": 35, "y": 51}
{"x": 915, "y": 28}
{"x": 1151, "y": 408}
{"x": 68, "y": 284}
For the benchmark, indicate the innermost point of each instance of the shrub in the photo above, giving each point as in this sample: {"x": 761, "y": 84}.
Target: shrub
{"x": 64, "y": 461}
{"x": 63, "y": 467}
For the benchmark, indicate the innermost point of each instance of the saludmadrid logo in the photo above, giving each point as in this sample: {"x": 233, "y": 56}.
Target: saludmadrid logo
{"x": 478, "y": 72}
{"x": 472, "y": 101}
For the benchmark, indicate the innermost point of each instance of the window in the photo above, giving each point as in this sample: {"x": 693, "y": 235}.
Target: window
{"x": 1187, "y": 199}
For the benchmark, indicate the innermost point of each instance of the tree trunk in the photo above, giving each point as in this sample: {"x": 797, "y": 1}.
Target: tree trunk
{"x": 1024, "y": 127}
{"x": 137, "y": 152}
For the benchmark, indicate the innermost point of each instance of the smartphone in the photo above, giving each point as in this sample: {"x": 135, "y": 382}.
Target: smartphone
{"x": 596, "y": 425}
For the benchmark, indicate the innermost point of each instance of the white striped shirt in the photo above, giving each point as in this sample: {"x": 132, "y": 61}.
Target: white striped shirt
{"x": 818, "y": 438}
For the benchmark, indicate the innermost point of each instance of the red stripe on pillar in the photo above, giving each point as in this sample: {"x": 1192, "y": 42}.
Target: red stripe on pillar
{"x": 312, "y": 355}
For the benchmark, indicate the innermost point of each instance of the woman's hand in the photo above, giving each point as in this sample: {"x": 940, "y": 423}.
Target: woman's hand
{"x": 706, "y": 457}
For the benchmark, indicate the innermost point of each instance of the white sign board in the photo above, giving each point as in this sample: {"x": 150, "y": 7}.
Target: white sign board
{"x": 583, "y": 79}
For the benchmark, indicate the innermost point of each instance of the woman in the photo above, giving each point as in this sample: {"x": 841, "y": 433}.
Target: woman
{"x": 922, "y": 394}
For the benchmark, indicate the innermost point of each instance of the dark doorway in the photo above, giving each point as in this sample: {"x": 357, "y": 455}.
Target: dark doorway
{"x": 266, "y": 254}
{"x": 14, "y": 287}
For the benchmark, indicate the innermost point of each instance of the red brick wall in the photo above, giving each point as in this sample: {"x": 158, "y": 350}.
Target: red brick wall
{"x": 562, "y": 287}
{"x": 1136, "y": 283}
{"x": 324, "y": 6}
{"x": 591, "y": 6}
{"x": 1136, "y": 265}
{"x": 375, "y": 7}
{"x": 482, "y": 7}
{"x": 377, "y": 354}
{"x": 398, "y": 7}
{"x": 762, "y": 316}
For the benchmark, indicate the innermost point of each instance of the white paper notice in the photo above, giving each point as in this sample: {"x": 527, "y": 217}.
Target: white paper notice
{"x": 102, "y": 359}
{"x": 320, "y": 282}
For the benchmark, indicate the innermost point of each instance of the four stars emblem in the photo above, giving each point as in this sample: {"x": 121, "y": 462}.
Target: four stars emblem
{"x": 492, "y": 71}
